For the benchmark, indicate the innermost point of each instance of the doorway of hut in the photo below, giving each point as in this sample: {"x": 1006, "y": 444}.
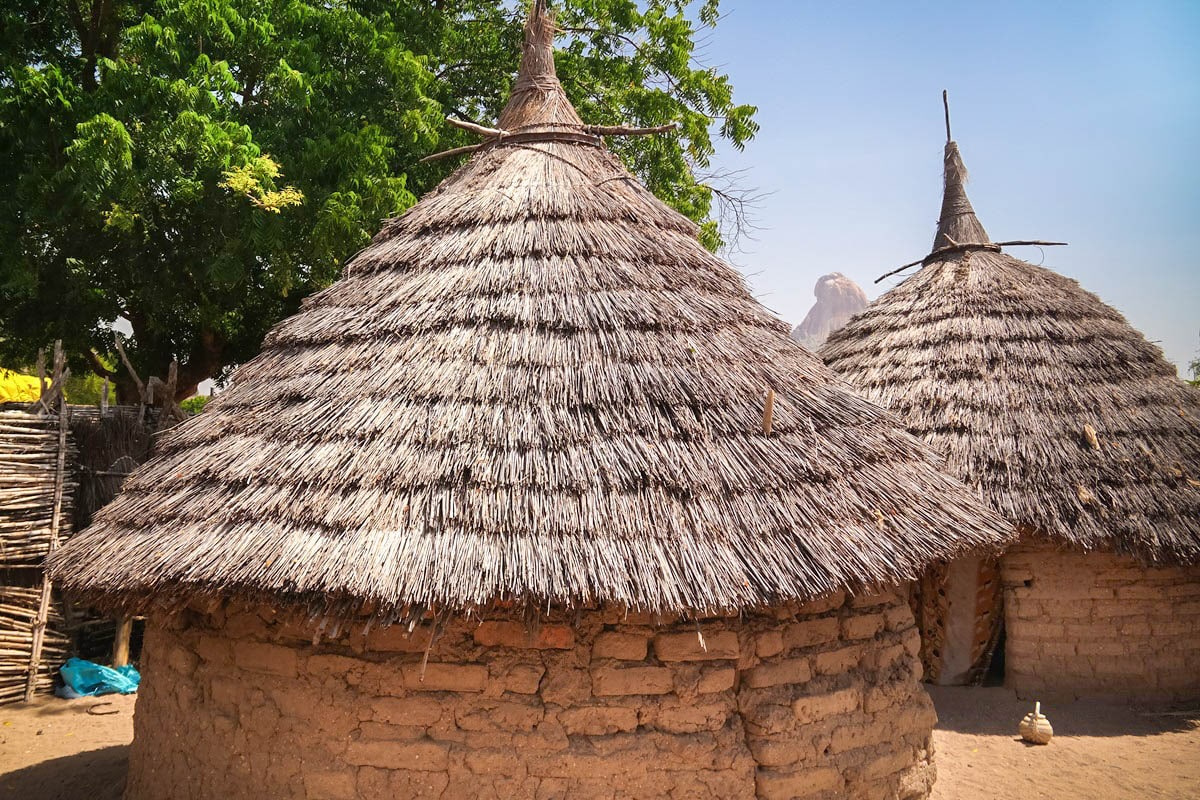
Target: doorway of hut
{"x": 959, "y": 606}
{"x": 994, "y": 676}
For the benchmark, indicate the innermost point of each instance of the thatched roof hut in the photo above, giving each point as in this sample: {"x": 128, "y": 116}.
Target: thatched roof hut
{"x": 535, "y": 390}
{"x": 1066, "y": 419}
{"x": 513, "y": 394}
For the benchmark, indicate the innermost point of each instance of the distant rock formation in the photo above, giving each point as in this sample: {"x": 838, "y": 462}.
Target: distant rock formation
{"x": 838, "y": 299}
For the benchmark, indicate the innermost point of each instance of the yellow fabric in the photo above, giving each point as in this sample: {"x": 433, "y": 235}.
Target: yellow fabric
{"x": 18, "y": 388}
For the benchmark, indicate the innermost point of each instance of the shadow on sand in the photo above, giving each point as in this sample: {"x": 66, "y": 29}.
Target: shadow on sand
{"x": 51, "y": 708}
{"x": 995, "y": 711}
{"x": 93, "y": 774}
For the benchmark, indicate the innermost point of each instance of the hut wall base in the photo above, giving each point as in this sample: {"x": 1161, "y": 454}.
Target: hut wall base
{"x": 1098, "y": 624}
{"x": 821, "y": 701}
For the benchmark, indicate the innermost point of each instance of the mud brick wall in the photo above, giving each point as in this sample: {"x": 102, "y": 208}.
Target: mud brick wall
{"x": 821, "y": 701}
{"x": 1090, "y": 624}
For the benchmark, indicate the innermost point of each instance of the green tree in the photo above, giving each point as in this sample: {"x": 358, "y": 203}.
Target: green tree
{"x": 196, "y": 167}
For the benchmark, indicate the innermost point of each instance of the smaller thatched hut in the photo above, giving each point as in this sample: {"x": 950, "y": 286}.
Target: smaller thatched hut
{"x": 537, "y": 501}
{"x": 1074, "y": 427}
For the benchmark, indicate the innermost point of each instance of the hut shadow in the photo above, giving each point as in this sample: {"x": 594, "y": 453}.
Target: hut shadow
{"x": 94, "y": 774}
{"x": 995, "y": 711}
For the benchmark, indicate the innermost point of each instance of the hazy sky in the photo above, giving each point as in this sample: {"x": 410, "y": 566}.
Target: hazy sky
{"x": 1078, "y": 121}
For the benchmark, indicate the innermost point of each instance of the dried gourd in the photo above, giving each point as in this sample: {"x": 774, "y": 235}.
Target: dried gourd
{"x": 1035, "y": 727}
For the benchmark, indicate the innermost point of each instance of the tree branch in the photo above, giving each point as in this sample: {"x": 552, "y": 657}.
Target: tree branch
{"x": 457, "y": 151}
{"x": 627, "y": 130}
{"x": 736, "y": 205}
{"x": 491, "y": 133}
{"x": 141, "y": 387}
{"x": 959, "y": 247}
{"x": 98, "y": 366}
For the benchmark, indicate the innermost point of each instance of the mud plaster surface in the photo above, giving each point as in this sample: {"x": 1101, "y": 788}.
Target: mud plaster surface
{"x": 1100, "y": 625}
{"x": 54, "y": 750}
{"x": 819, "y": 702}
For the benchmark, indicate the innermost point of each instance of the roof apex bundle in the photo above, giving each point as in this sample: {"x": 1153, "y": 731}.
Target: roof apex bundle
{"x": 534, "y": 387}
{"x": 1067, "y": 419}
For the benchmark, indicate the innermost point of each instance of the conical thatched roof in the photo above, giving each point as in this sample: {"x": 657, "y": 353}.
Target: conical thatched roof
{"x": 1068, "y": 420}
{"x": 538, "y": 386}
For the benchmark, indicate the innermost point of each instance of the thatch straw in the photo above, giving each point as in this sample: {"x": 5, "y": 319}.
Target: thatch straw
{"x": 957, "y": 224}
{"x": 536, "y": 386}
{"x": 1065, "y": 417}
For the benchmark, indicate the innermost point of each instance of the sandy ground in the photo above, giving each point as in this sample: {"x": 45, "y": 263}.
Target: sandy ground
{"x": 1099, "y": 752}
{"x": 56, "y": 750}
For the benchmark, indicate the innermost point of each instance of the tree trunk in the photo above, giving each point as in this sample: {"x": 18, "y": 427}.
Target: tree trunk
{"x": 203, "y": 362}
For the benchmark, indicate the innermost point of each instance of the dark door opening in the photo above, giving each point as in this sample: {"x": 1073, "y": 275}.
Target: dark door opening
{"x": 995, "y": 672}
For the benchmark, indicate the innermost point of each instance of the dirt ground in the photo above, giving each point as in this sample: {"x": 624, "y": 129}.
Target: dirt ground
{"x": 57, "y": 750}
{"x": 1099, "y": 752}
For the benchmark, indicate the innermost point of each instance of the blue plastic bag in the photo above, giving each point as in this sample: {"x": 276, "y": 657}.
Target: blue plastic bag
{"x": 86, "y": 679}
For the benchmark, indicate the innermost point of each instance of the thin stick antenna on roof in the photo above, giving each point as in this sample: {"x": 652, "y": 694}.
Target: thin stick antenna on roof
{"x": 946, "y": 105}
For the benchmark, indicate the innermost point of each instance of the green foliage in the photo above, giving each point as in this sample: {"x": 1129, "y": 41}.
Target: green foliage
{"x": 196, "y": 167}
{"x": 85, "y": 390}
{"x": 1194, "y": 371}
{"x": 252, "y": 180}
{"x": 194, "y": 405}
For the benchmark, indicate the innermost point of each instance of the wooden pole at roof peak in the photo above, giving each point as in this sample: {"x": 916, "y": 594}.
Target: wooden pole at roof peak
{"x": 946, "y": 107}
{"x": 537, "y": 10}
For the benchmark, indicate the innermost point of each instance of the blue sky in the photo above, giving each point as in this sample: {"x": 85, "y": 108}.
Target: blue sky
{"x": 1079, "y": 122}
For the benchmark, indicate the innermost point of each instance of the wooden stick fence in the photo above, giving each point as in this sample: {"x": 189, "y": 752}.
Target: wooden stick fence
{"x": 56, "y": 517}
{"x": 19, "y": 607}
{"x": 28, "y": 474}
{"x": 36, "y": 496}
{"x": 58, "y": 465}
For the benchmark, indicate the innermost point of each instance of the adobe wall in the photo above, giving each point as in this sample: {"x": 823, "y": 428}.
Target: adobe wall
{"x": 1099, "y": 624}
{"x": 821, "y": 702}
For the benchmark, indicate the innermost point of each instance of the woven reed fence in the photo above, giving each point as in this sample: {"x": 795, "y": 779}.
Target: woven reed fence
{"x": 112, "y": 441}
{"x": 60, "y": 464}
{"x": 28, "y": 473}
{"x": 102, "y": 446}
{"x": 18, "y": 617}
{"x": 36, "y": 496}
